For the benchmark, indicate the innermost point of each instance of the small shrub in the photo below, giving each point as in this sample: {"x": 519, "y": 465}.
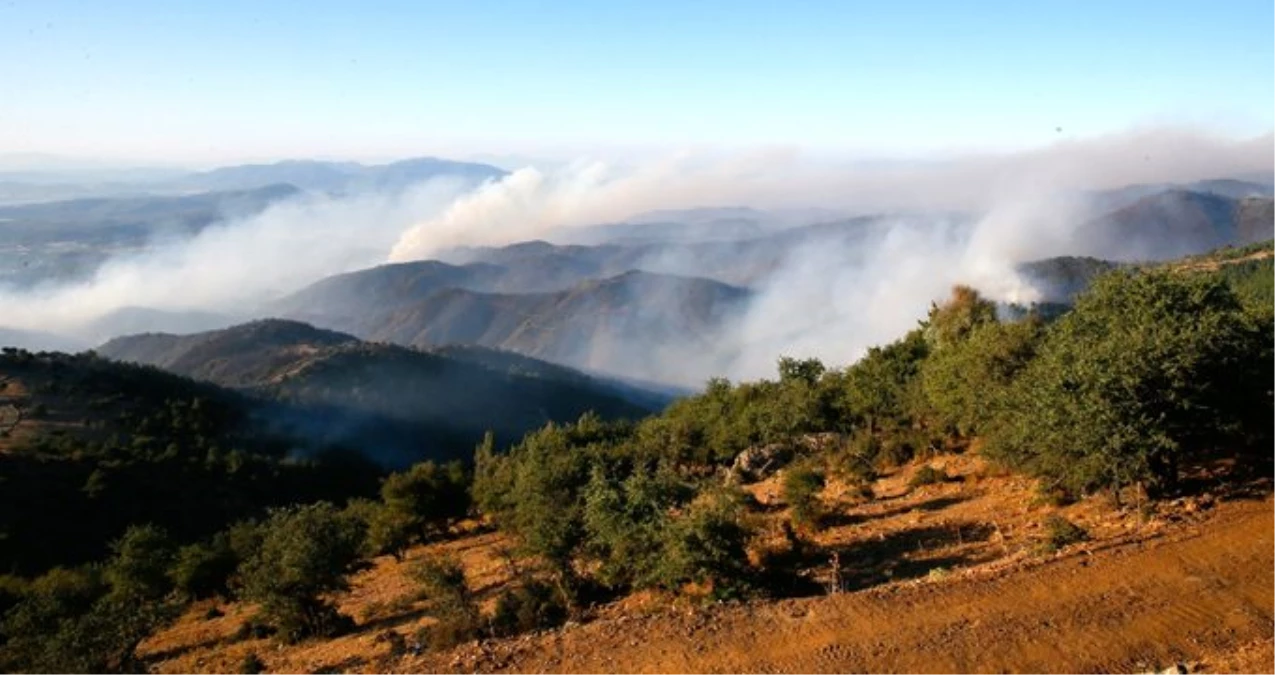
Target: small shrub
{"x": 204, "y": 570}
{"x": 927, "y": 475}
{"x": 442, "y": 582}
{"x": 1051, "y": 496}
{"x": 1060, "y": 532}
{"x": 450, "y": 631}
{"x": 251, "y": 664}
{"x": 533, "y": 605}
{"x": 252, "y": 629}
{"x": 801, "y": 487}
{"x": 857, "y": 462}
{"x": 895, "y": 451}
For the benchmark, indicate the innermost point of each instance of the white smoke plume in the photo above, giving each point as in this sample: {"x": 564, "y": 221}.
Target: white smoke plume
{"x": 833, "y": 302}
{"x": 233, "y": 266}
{"x": 823, "y": 301}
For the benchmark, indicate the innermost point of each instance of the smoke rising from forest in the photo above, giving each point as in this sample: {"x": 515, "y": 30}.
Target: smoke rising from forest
{"x": 961, "y": 220}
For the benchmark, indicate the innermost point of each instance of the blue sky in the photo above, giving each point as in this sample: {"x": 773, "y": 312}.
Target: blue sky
{"x": 209, "y": 81}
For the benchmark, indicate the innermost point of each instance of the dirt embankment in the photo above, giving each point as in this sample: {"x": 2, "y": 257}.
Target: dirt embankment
{"x": 948, "y": 580}
{"x": 1201, "y": 597}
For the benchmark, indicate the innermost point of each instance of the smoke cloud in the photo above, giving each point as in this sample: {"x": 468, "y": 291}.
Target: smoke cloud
{"x": 234, "y": 266}
{"x": 832, "y": 299}
{"x": 960, "y": 220}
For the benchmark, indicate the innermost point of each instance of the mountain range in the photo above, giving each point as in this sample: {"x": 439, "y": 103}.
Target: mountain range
{"x": 396, "y": 404}
{"x": 54, "y": 184}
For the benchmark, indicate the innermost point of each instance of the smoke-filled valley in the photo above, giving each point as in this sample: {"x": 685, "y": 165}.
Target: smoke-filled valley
{"x": 637, "y": 337}
{"x": 671, "y": 272}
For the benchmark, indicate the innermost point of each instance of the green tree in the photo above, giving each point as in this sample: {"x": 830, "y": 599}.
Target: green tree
{"x": 625, "y": 521}
{"x": 427, "y": 495}
{"x": 139, "y": 564}
{"x": 879, "y": 391}
{"x": 1148, "y": 370}
{"x": 204, "y": 569}
{"x": 306, "y": 552}
{"x": 708, "y": 545}
{"x": 802, "y": 484}
{"x": 965, "y": 381}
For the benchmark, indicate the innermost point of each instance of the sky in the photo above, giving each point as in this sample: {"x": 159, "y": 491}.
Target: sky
{"x": 198, "y": 81}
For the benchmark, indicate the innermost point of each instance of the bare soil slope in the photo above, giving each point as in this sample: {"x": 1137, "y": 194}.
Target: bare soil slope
{"x": 1202, "y": 597}
{"x": 938, "y": 578}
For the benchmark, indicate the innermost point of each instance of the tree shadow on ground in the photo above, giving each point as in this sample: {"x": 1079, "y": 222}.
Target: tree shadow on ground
{"x": 937, "y": 504}
{"x": 905, "y": 554}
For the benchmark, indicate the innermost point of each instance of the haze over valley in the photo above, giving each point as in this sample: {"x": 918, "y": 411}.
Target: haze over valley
{"x": 637, "y": 337}
{"x": 645, "y": 273}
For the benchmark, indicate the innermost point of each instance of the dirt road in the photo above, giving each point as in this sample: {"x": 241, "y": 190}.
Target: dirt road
{"x": 1204, "y": 596}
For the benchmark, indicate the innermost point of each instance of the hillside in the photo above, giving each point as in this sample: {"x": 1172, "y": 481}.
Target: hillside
{"x": 395, "y": 404}
{"x": 610, "y": 325}
{"x": 943, "y": 578}
{"x": 66, "y": 240}
{"x": 600, "y": 325}
{"x": 1178, "y": 222}
{"x": 245, "y": 355}
{"x": 88, "y": 445}
{"x": 338, "y": 177}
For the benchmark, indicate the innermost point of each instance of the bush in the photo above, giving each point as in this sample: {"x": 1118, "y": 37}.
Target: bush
{"x": 138, "y": 568}
{"x": 1060, "y": 533}
{"x": 927, "y": 475}
{"x": 802, "y": 484}
{"x": 533, "y": 605}
{"x": 251, "y": 664}
{"x": 879, "y": 392}
{"x": 389, "y": 530}
{"x": 964, "y": 382}
{"x": 1150, "y": 369}
{"x": 625, "y": 522}
{"x": 707, "y": 545}
{"x": 857, "y": 461}
{"x": 67, "y": 622}
{"x": 306, "y": 553}
{"x": 425, "y": 498}
{"x": 442, "y": 582}
{"x": 204, "y": 570}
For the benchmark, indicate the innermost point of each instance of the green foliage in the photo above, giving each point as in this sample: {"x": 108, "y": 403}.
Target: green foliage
{"x": 389, "y": 530}
{"x": 138, "y": 568}
{"x": 964, "y": 312}
{"x": 966, "y": 380}
{"x": 305, "y": 553}
{"x": 1252, "y": 280}
{"x": 800, "y": 370}
{"x": 536, "y": 491}
{"x": 726, "y": 419}
{"x": 424, "y": 498}
{"x": 707, "y": 545}
{"x": 442, "y": 582}
{"x": 1148, "y": 370}
{"x": 1060, "y": 533}
{"x": 879, "y": 392}
{"x": 531, "y": 605}
{"x": 927, "y": 475}
{"x": 625, "y": 522}
{"x": 802, "y": 484}
{"x": 70, "y": 621}
{"x": 184, "y": 456}
{"x": 204, "y": 569}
